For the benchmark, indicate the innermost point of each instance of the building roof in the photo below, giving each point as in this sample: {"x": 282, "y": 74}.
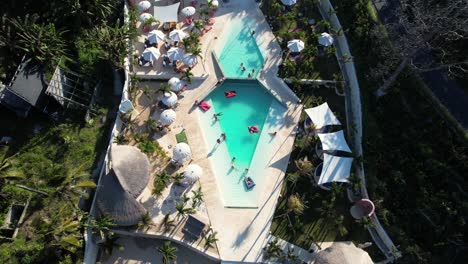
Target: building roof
{"x": 119, "y": 188}
{"x": 28, "y": 83}
{"x": 342, "y": 253}
{"x": 113, "y": 201}
{"x": 131, "y": 167}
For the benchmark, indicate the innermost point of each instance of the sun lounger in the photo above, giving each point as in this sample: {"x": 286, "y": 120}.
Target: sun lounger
{"x": 249, "y": 183}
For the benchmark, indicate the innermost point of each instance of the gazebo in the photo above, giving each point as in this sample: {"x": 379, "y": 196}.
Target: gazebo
{"x": 181, "y": 152}
{"x": 123, "y": 183}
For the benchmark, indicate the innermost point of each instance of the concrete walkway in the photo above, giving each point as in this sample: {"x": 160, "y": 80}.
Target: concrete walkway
{"x": 354, "y": 121}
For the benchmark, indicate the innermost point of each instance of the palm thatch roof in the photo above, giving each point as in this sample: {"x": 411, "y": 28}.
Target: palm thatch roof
{"x": 342, "y": 253}
{"x": 127, "y": 178}
{"x": 131, "y": 167}
{"x": 113, "y": 201}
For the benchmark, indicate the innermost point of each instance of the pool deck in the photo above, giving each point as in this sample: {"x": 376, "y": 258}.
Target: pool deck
{"x": 242, "y": 233}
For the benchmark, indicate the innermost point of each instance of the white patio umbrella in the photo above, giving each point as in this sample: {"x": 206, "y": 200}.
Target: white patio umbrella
{"x": 144, "y": 17}
{"x": 169, "y": 99}
{"x": 181, "y": 152}
{"x": 189, "y": 59}
{"x": 192, "y": 173}
{"x": 151, "y": 54}
{"x": 188, "y": 11}
{"x": 215, "y": 3}
{"x": 289, "y": 2}
{"x": 175, "y": 53}
{"x": 175, "y": 84}
{"x": 125, "y": 106}
{"x": 167, "y": 117}
{"x": 177, "y": 35}
{"x": 144, "y": 5}
{"x": 156, "y": 36}
{"x": 325, "y": 39}
{"x": 296, "y": 45}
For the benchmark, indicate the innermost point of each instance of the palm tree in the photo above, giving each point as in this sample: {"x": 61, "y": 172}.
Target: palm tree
{"x": 211, "y": 239}
{"x": 272, "y": 250}
{"x": 145, "y": 222}
{"x": 290, "y": 256}
{"x": 168, "y": 252}
{"x": 167, "y": 222}
{"x": 197, "y": 197}
{"x": 44, "y": 42}
{"x": 164, "y": 88}
{"x": 102, "y": 225}
{"x": 197, "y": 27}
{"x": 182, "y": 210}
{"x": 304, "y": 166}
{"x": 185, "y": 198}
{"x": 109, "y": 243}
{"x": 120, "y": 139}
{"x": 296, "y": 204}
{"x": 75, "y": 184}
{"x": 178, "y": 177}
{"x": 187, "y": 75}
{"x": 151, "y": 125}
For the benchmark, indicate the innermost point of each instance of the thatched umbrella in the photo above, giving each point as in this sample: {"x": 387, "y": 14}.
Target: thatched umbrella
{"x": 181, "y": 152}
{"x": 167, "y": 117}
{"x": 192, "y": 173}
{"x": 169, "y": 99}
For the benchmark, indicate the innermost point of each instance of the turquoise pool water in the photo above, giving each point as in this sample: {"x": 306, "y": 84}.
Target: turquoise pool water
{"x": 249, "y": 108}
{"x": 240, "y": 48}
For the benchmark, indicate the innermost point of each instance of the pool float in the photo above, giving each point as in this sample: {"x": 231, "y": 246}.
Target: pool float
{"x": 229, "y": 94}
{"x": 204, "y": 106}
{"x": 249, "y": 183}
{"x": 253, "y": 129}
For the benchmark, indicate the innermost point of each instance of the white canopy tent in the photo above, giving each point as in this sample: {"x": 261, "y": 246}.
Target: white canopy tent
{"x": 335, "y": 169}
{"x": 177, "y": 35}
{"x": 334, "y": 141}
{"x": 181, "y": 152}
{"x": 189, "y": 59}
{"x": 167, "y": 117}
{"x": 192, "y": 173}
{"x": 322, "y": 116}
{"x": 166, "y": 13}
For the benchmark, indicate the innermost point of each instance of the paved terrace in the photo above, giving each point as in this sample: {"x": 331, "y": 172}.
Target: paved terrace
{"x": 242, "y": 233}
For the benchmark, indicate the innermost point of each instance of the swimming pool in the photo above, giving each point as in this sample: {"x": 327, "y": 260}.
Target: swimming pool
{"x": 240, "y": 47}
{"x": 252, "y": 106}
